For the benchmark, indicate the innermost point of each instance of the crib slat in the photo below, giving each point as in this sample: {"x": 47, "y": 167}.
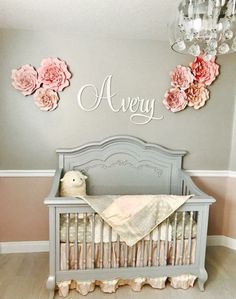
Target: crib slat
{"x": 150, "y": 250}
{"x": 166, "y": 240}
{"x": 182, "y": 239}
{"x": 142, "y": 252}
{"x": 109, "y": 247}
{"x": 67, "y": 241}
{"x": 158, "y": 246}
{"x": 92, "y": 240}
{"x": 84, "y": 240}
{"x": 186, "y": 190}
{"x": 174, "y": 240}
{"x": 190, "y": 238}
{"x": 101, "y": 243}
{"x": 118, "y": 251}
{"x": 134, "y": 255}
{"x": 76, "y": 241}
{"x": 126, "y": 255}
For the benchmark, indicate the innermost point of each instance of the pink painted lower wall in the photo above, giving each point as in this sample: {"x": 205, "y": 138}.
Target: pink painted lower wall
{"x": 222, "y": 219}
{"x": 23, "y": 216}
{"x": 216, "y": 187}
{"x": 230, "y": 209}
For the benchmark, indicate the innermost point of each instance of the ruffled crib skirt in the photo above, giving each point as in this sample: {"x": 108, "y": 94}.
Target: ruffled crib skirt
{"x": 110, "y": 286}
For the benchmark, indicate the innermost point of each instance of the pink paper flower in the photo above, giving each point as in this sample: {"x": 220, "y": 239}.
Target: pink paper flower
{"x": 25, "y": 79}
{"x": 197, "y": 95}
{"x": 181, "y": 77}
{"x": 175, "y": 100}
{"x": 46, "y": 99}
{"x": 204, "y": 71}
{"x": 54, "y": 74}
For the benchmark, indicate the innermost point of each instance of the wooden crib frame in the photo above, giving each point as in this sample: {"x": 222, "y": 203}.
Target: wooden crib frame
{"x": 125, "y": 165}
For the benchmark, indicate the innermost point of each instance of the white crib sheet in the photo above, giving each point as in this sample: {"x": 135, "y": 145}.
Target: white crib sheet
{"x": 106, "y": 229}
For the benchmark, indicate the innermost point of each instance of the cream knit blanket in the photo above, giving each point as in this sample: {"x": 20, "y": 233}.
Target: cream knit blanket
{"x": 135, "y": 216}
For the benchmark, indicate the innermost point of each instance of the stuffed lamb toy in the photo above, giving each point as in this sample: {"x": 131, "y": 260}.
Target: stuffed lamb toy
{"x": 73, "y": 184}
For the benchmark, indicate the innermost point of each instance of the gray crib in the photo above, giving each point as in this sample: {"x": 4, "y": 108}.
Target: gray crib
{"x": 125, "y": 165}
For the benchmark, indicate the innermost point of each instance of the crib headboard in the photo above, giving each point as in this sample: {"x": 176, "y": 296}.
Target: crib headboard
{"x": 125, "y": 165}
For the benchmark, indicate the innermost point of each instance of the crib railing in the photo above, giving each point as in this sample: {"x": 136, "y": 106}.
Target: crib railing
{"x": 188, "y": 187}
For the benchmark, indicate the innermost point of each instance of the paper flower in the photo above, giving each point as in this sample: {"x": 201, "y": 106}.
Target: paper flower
{"x": 204, "y": 71}
{"x": 197, "y": 95}
{"x": 46, "y": 99}
{"x": 175, "y": 100}
{"x": 25, "y": 79}
{"x": 181, "y": 77}
{"x": 54, "y": 74}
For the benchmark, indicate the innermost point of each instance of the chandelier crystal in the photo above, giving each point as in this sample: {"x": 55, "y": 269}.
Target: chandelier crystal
{"x": 204, "y": 26}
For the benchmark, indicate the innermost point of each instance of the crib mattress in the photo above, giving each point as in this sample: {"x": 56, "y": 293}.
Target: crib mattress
{"x": 84, "y": 224}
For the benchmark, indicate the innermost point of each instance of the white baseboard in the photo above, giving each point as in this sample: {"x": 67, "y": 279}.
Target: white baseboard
{"x": 221, "y": 241}
{"x": 43, "y": 246}
{"x": 25, "y": 246}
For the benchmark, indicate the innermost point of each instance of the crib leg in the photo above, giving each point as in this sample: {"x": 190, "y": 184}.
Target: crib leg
{"x": 51, "y": 286}
{"x": 202, "y": 278}
{"x": 51, "y": 295}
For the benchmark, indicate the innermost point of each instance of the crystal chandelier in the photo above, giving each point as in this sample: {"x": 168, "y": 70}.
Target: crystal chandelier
{"x": 204, "y": 26}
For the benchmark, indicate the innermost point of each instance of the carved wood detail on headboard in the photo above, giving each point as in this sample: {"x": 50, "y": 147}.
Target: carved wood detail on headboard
{"x": 125, "y": 165}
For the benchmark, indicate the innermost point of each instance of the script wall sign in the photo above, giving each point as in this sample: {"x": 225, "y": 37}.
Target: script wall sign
{"x": 142, "y": 110}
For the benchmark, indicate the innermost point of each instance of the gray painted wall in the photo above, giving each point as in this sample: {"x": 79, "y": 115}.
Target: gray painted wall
{"x": 29, "y": 137}
{"x": 232, "y": 165}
